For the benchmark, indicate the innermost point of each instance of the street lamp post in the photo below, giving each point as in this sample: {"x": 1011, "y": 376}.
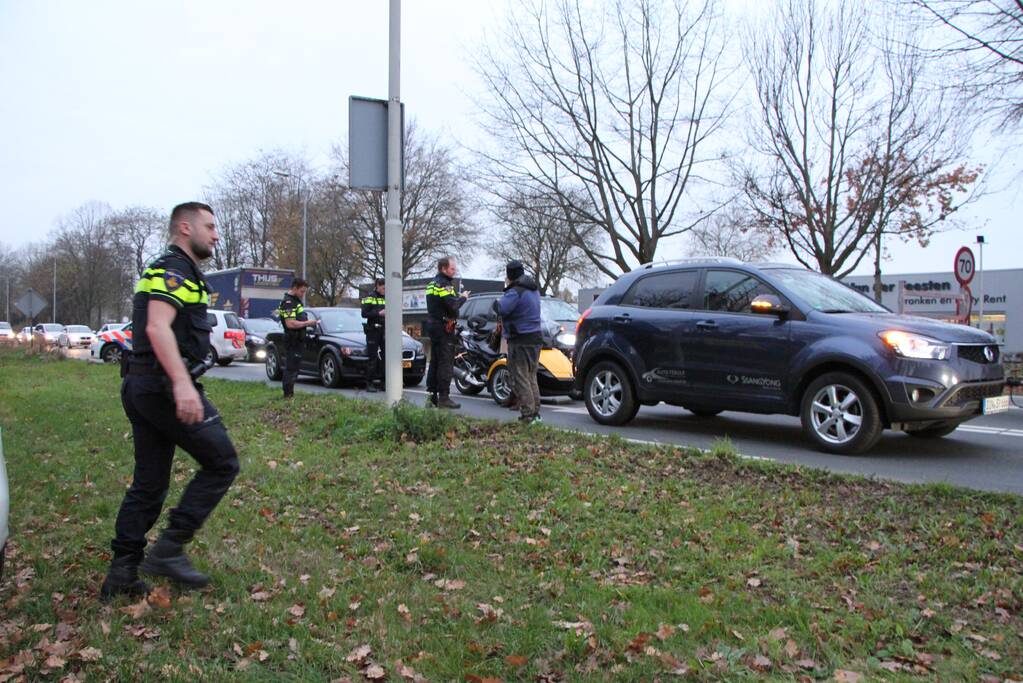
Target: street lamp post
{"x": 304, "y": 192}
{"x": 980, "y": 295}
{"x": 392, "y": 227}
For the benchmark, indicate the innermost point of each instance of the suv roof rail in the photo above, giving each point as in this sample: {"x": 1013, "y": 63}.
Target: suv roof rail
{"x": 704, "y": 259}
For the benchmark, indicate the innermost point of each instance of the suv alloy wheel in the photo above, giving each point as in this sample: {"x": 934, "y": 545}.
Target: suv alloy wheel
{"x": 609, "y": 395}
{"x": 840, "y": 414}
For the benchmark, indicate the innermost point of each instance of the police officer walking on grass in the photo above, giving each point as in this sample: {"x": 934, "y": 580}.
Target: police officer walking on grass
{"x": 168, "y": 408}
{"x": 373, "y": 310}
{"x": 295, "y": 321}
{"x": 442, "y": 304}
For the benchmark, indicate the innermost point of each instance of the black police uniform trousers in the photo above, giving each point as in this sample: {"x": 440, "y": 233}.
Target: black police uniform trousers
{"x": 442, "y": 358}
{"x": 156, "y": 430}
{"x": 374, "y": 355}
{"x": 293, "y": 350}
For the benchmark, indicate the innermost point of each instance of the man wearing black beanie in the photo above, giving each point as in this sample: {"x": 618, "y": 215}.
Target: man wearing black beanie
{"x": 519, "y": 309}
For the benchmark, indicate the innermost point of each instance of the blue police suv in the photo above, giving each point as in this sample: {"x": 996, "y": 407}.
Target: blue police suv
{"x": 718, "y": 334}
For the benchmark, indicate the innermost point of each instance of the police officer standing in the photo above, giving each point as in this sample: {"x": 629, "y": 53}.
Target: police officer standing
{"x": 373, "y": 311}
{"x": 167, "y": 408}
{"x": 442, "y": 304}
{"x": 295, "y": 320}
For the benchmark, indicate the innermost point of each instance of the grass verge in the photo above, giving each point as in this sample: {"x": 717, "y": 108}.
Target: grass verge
{"x": 364, "y": 543}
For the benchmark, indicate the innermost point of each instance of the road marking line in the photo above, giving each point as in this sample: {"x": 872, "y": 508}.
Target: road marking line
{"x": 648, "y": 442}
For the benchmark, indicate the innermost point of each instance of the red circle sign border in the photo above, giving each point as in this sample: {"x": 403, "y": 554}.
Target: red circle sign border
{"x": 955, "y": 266}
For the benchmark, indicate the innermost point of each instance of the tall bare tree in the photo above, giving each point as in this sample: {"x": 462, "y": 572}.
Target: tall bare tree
{"x": 844, "y": 137}
{"x": 93, "y": 281}
{"x": 335, "y": 257}
{"x": 532, "y": 227}
{"x": 140, "y": 232}
{"x": 611, "y": 106}
{"x": 981, "y": 45}
{"x": 732, "y": 232}
{"x": 436, "y": 208}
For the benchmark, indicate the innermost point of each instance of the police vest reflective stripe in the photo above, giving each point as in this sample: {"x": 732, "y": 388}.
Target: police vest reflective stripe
{"x": 374, "y": 301}
{"x": 288, "y": 313}
{"x": 433, "y": 289}
{"x": 171, "y": 285}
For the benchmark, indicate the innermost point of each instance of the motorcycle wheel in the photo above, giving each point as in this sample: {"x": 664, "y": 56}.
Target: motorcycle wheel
{"x": 464, "y": 388}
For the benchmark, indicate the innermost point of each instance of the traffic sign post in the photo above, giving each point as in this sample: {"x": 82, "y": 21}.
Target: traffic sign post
{"x": 964, "y": 266}
{"x": 30, "y": 304}
{"x": 964, "y": 304}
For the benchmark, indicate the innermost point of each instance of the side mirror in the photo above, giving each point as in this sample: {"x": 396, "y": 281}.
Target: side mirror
{"x": 769, "y": 304}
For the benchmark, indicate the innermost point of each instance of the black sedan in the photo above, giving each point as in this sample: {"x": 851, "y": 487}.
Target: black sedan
{"x": 256, "y": 331}
{"x": 335, "y": 350}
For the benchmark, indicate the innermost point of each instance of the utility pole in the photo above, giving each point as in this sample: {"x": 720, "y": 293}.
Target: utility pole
{"x": 54, "y": 291}
{"x": 305, "y": 217}
{"x": 980, "y": 295}
{"x": 392, "y": 227}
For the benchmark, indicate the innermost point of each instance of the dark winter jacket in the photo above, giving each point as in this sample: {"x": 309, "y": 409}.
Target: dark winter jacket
{"x": 519, "y": 309}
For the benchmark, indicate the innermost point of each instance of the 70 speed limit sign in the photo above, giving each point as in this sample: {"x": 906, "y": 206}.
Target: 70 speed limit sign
{"x": 964, "y": 266}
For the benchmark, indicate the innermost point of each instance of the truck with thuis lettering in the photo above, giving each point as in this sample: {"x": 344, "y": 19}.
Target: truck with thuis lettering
{"x": 248, "y": 292}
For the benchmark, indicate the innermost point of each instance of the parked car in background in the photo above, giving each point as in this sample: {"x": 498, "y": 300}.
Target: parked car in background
{"x": 256, "y": 330}
{"x": 718, "y": 334}
{"x": 24, "y": 335}
{"x": 76, "y": 336}
{"x": 558, "y": 319}
{"x": 47, "y": 334}
{"x": 6, "y": 333}
{"x": 227, "y": 337}
{"x": 5, "y": 506}
{"x": 335, "y": 350}
{"x": 108, "y": 346}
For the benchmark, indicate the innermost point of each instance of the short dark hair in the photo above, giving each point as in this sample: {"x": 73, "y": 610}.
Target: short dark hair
{"x": 178, "y": 212}
{"x": 380, "y": 281}
{"x": 298, "y": 283}
{"x": 444, "y": 262}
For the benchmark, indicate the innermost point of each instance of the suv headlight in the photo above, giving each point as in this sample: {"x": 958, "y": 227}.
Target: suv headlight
{"x": 566, "y": 339}
{"x": 910, "y": 345}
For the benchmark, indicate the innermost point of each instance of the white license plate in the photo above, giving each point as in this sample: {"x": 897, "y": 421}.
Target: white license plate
{"x": 996, "y": 404}
{"x": 406, "y": 364}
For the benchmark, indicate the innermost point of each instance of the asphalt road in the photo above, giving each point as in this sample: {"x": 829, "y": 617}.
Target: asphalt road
{"x": 985, "y": 454}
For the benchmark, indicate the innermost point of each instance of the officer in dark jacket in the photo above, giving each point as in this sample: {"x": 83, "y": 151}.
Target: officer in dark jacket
{"x": 373, "y": 311}
{"x": 442, "y": 304}
{"x": 167, "y": 408}
{"x": 295, "y": 321}
{"x": 519, "y": 310}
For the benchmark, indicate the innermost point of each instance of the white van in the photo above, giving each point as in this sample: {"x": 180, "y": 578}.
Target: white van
{"x": 227, "y": 337}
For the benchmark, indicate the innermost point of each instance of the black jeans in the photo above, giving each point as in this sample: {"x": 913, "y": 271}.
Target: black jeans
{"x": 292, "y": 362}
{"x": 156, "y": 431}
{"x": 442, "y": 359}
{"x": 522, "y": 363}
{"x": 374, "y": 357}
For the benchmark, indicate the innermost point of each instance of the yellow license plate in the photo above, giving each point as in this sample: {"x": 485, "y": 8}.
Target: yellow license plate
{"x": 406, "y": 364}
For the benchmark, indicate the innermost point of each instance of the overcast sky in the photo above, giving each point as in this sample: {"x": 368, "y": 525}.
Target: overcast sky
{"x": 142, "y": 102}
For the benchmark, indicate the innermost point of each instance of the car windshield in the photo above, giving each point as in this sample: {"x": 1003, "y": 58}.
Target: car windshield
{"x": 261, "y": 326}
{"x": 53, "y": 328}
{"x": 77, "y": 328}
{"x": 340, "y": 320}
{"x": 5, "y": 326}
{"x": 556, "y": 309}
{"x": 825, "y": 294}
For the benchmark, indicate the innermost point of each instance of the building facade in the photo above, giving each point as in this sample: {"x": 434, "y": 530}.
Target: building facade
{"x": 938, "y": 295}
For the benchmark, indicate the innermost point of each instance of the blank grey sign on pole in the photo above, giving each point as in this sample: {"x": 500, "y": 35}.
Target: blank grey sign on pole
{"x": 367, "y": 143}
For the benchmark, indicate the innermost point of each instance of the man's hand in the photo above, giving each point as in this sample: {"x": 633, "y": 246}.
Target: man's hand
{"x": 466, "y": 293}
{"x": 187, "y": 403}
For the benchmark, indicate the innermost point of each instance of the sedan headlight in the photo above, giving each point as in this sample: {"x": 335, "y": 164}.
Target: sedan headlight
{"x": 565, "y": 339}
{"x": 256, "y": 340}
{"x": 916, "y": 346}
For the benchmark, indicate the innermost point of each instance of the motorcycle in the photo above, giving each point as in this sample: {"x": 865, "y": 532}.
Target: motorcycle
{"x": 479, "y": 364}
{"x": 474, "y": 358}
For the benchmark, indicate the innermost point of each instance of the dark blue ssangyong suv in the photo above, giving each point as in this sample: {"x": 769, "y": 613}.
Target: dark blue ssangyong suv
{"x": 718, "y": 334}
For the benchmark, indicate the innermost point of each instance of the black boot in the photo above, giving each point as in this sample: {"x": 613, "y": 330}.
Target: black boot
{"x": 371, "y": 388}
{"x": 123, "y": 579}
{"x": 432, "y": 400}
{"x": 446, "y": 402}
{"x": 167, "y": 558}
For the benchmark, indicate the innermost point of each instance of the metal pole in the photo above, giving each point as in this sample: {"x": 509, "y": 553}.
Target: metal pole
{"x": 980, "y": 321}
{"x": 392, "y": 227}
{"x": 305, "y": 214}
{"x": 54, "y": 291}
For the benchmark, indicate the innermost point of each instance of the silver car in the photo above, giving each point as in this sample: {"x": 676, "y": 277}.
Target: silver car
{"x": 5, "y": 505}
{"x": 76, "y": 336}
{"x": 6, "y": 333}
